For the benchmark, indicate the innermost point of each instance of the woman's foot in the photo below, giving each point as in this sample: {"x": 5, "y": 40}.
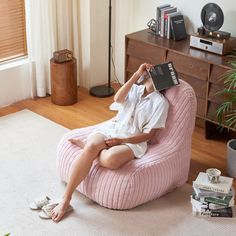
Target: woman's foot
{"x": 77, "y": 142}
{"x": 60, "y": 210}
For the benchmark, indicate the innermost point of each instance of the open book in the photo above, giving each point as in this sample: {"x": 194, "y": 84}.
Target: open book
{"x": 164, "y": 76}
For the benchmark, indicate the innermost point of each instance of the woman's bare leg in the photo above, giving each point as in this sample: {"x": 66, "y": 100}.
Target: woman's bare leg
{"x": 79, "y": 171}
{"x": 115, "y": 157}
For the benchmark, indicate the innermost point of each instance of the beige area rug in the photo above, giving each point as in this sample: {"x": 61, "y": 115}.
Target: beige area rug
{"x": 28, "y": 169}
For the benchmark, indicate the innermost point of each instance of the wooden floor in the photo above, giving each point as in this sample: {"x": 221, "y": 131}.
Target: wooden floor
{"x": 90, "y": 110}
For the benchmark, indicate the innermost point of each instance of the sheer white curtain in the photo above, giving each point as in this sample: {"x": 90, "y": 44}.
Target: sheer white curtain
{"x": 51, "y": 25}
{"x": 124, "y": 18}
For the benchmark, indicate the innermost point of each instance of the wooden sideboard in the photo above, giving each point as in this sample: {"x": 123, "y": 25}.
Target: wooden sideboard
{"x": 199, "y": 68}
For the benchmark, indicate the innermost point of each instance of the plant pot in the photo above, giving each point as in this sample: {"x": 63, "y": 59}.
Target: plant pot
{"x": 231, "y": 158}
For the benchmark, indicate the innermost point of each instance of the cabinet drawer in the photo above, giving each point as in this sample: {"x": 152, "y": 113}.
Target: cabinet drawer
{"x": 189, "y": 66}
{"x": 133, "y": 64}
{"x": 199, "y": 86}
{"x": 216, "y": 72}
{"x": 146, "y": 52}
{"x": 211, "y": 111}
{"x": 201, "y": 107}
{"x": 213, "y": 89}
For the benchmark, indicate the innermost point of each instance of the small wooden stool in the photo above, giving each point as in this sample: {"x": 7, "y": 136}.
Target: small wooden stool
{"x": 63, "y": 82}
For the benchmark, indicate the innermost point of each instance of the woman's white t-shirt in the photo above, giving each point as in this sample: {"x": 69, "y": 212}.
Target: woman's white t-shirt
{"x": 138, "y": 114}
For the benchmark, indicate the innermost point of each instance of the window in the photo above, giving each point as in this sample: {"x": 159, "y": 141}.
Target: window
{"x": 12, "y": 29}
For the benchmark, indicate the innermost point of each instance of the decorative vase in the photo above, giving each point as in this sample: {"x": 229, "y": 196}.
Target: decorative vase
{"x": 231, "y": 158}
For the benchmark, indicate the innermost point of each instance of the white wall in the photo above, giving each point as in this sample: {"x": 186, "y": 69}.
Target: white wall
{"x": 84, "y": 43}
{"x": 14, "y": 84}
{"x": 98, "y": 42}
{"x": 142, "y": 11}
{"x": 93, "y": 42}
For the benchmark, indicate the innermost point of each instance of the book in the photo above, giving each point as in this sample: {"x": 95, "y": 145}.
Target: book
{"x": 223, "y": 201}
{"x": 158, "y": 17}
{"x": 162, "y": 26}
{"x": 224, "y": 185}
{"x": 166, "y": 13}
{"x": 178, "y": 27}
{"x": 201, "y": 206}
{"x": 219, "y": 200}
{"x": 206, "y": 193}
{"x": 169, "y": 16}
{"x": 226, "y": 212}
{"x": 205, "y": 208}
{"x": 164, "y": 76}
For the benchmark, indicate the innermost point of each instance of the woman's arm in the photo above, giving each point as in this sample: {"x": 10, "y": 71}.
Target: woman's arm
{"x": 142, "y": 137}
{"x": 124, "y": 90}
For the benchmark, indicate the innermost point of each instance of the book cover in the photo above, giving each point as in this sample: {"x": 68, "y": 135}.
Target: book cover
{"x": 164, "y": 76}
{"x": 178, "y": 27}
{"x": 158, "y": 17}
{"x": 224, "y": 185}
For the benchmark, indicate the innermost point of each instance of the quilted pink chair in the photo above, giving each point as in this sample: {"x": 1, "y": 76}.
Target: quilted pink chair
{"x": 163, "y": 168}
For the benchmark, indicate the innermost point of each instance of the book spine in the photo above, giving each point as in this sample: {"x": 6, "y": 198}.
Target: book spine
{"x": 217, "y": 201}
{"x": 226, "y": 212}
{"x": 210, "y": 188}
{"x": 212, "y": 204}
{"x": 168, "y": 27}
{"x": 165, "y": 25}
{"x": 157, "y": 20}
{"x": 169, "y": 30}
{"x": 207, "y": 193}
{"x": 172, "y": 29}
{"x": 162, "y": 24}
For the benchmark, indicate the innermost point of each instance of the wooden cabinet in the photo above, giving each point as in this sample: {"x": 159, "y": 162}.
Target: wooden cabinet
{"x": 199, "y": 68}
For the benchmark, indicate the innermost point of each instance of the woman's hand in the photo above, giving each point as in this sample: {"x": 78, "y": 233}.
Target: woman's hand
{"x": 110, "y": 142}
{"x": 122, "y": 93}
{"x": 143, "y": 69}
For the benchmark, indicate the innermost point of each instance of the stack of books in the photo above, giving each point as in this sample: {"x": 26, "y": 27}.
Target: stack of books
{"x": 170, "y": 22}
{"x": 212, "y": 199}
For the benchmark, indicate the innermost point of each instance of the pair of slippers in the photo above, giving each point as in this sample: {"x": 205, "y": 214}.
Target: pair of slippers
{"x": 46, "y": 205}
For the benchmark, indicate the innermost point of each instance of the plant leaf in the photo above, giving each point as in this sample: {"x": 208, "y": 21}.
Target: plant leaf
{"x": 226, "y": 112}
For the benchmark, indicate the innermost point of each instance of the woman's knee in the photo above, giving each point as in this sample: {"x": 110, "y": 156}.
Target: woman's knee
{"x": 95, "y": 144}
{"x": 93, "y": 147}
{"x": 107, "y": 160}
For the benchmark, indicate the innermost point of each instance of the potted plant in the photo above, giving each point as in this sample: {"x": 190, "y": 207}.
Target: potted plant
{"x": 226, "y": 112}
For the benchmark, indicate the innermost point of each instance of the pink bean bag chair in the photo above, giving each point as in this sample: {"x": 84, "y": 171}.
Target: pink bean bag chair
{"x": 164, "y": 167}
